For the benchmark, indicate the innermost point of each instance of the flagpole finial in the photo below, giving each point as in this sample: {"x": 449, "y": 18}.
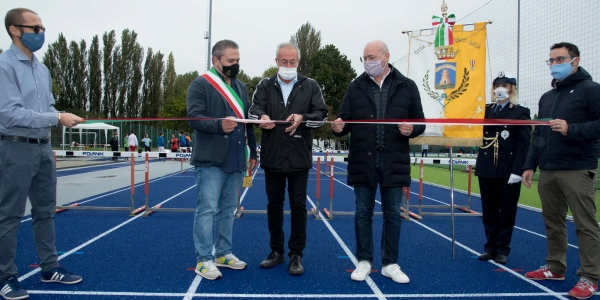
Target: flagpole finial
{"x": 444, "y": 8}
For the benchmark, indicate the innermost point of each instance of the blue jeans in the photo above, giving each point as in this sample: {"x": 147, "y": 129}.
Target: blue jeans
{"x": 217, "y": 199}
{"x": 391, "y": 199}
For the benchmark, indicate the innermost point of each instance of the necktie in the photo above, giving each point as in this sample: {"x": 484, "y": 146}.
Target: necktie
{"x": 497, "y": 110}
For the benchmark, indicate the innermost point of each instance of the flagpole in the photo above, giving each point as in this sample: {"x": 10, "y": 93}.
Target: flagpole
{"x": 208, "y": 36}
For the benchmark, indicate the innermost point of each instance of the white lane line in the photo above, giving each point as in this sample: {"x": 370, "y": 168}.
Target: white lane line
{"x": 198, "y": 279}
{"x": 22, "y": 278}
{"x": 551, "y": 292}
{"x": 288, "y": 296}
{"x": 193, "y": 287}
{"x": 369, "y": 280}
{"x": 464, "y": 192}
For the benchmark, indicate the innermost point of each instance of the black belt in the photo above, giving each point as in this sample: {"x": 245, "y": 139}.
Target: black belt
{"x": 12, "y": 138}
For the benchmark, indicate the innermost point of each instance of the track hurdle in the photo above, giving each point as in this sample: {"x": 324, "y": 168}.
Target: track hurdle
{"x": 130, "y": 209}
{"x": 467, "y": 209}
{"x": 329, "y": 213}
{"x": 314, "y": 211}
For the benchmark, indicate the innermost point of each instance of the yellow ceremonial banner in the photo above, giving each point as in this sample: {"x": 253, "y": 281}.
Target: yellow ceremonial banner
{"x": 467, "y": 99}
{"x": 451, "y": 81}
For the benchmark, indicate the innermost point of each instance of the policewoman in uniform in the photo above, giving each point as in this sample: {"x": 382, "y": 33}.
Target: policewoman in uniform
{"x": 499, "y": 165}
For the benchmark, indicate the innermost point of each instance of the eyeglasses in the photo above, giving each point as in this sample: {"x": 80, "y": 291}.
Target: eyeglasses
{"x": 371, "y": 57}
{"x": 35, "y": 28}
{"x": 286, "y": 63}
{"x": 558, "y": 60}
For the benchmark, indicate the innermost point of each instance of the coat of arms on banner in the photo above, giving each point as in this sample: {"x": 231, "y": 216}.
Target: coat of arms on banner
{"x": 445, "y": 75}
{"x": 442, "y": 63}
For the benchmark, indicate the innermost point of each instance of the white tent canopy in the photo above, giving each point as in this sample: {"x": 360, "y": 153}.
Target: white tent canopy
{"x": 92, "y": 126}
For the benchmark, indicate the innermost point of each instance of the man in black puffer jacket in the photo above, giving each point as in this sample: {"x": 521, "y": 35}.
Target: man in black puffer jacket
{"x": 286, "y": 149}
{"x": 567, "y": 154}
{"x": 379, "y": 154}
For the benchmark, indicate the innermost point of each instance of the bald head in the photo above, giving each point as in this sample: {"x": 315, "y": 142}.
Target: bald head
{"x": 376, "y": 52}
{"x": 377, "y": 46}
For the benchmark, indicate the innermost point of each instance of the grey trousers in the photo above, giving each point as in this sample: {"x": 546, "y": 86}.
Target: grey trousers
{"x": 26, "y": 170}
{"x": 559, "y": 191}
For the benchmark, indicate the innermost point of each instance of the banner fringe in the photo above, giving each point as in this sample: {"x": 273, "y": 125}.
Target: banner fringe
{"x": 440, "y": 140}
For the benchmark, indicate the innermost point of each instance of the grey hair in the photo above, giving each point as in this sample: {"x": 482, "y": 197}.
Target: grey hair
{"x": 219, "y": 48}
{"x": 287, "y": 45}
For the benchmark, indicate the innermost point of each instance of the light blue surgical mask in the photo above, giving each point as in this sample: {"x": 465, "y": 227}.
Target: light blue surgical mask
{"x": 562, "y": 71}
{"x": 33, "y": 41}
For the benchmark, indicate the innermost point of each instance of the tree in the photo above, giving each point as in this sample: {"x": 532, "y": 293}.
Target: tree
{"x": 308, "y": 39}
{"x": 176, "y": 107}
{"x": 333, "y": 72}
{"x": 153, "y": 76}
{"x": 123, "y": 62}
{"x": 0, "y": 50}
{"x": 169, "y": 79}
{"x": 270, "y": 72}
{"x": 134, "y": 100}
{"x": 95, "y": 76}
{"x": 79, "y": 75}
{"x": 109, "y": 41}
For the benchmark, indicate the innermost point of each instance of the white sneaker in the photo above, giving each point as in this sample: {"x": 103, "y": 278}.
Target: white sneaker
{"x": 362, "y": 270}
{"x": 230, "y": 261}
{"x": 393, "y": 271}
{"x": 208, "y": 270}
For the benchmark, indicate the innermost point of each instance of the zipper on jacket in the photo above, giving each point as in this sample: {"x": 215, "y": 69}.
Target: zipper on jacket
{"x": 549, "y": 131}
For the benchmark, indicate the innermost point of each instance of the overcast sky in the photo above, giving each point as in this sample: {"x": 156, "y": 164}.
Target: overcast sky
{"x": 178, "y": 26}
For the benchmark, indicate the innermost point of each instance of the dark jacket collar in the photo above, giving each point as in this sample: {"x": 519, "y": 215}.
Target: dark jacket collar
{"x": 574, "y": 78}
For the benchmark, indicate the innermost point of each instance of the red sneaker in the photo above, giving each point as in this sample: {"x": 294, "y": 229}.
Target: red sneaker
{"x": 544, "y": 273}
{"x": 584, "y": 289}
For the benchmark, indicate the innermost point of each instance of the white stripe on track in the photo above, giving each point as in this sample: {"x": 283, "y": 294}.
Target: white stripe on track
{"x": 369, "y": 280}
{"x": 193, "y": 287}
{"x": 550, "y": 292}
{"x": 288, "y": 296}
{"x": 22, "y": 278}
{"x": 441, "y": 186}
{"x": 198, "y": 279}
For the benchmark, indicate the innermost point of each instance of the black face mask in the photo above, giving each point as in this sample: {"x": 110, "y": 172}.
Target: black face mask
{"x": 230, "y": 71}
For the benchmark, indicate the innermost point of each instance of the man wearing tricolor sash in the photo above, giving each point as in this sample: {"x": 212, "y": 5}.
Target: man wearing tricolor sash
{"x": 224, "y": 150}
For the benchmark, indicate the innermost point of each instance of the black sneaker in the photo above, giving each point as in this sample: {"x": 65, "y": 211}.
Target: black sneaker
{"x": 12, "y": 289}
{"x": 60, "y": 275}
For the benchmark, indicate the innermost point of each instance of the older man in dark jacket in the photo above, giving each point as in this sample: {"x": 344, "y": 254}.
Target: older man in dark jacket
{"x": 286, "y": 149}
{"x": 567, "y": 154}
{"x": 379, "y": 154}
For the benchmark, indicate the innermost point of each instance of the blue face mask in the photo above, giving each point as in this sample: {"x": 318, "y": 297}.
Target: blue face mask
{"x": 561, "y": 71}
{"x": 33, "y": 41}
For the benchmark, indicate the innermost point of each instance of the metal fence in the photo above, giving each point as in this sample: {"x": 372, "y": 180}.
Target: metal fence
{"x": 96, "y": 138}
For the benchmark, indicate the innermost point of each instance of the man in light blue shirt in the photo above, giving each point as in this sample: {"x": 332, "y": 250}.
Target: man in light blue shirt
{"x": 286, "y": 88}
{"x": 26, "y": 114}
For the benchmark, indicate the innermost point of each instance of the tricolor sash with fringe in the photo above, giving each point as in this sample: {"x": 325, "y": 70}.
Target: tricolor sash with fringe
{"x": 234, "y": 101}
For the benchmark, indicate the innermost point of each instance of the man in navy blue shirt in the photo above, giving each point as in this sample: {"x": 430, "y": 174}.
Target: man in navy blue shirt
{"x": 26, "y": 160}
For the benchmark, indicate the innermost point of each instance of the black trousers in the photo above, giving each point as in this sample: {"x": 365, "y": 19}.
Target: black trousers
{"x": 499, "y": 208}
{"x": 275, "y": 187}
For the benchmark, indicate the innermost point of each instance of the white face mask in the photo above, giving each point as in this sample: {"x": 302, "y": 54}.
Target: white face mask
{"x": 287, "y": 73}
{"x": 501, "y": 94}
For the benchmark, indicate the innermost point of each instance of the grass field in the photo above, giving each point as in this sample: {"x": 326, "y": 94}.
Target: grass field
{"x": 441, "y": 176}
